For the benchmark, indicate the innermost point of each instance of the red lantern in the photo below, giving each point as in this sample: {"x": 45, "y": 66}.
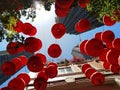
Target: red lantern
{"x": 115, "y": 69}
{"x": 32, "y": 44}
{"x": 8, "y": 68}
{"x": 102, "y": 56}
{"x": 18, "y": 27}
{"x": 98, "y": 35}
{"x": 106, "y": 65}
{"x": 109, "y": 45}
{"x": 23, "y": 59}
{"x": 42, "y": 74}
{"x": 52, "y": 63}
{"x": 107, "y": 36}
{"x": 25, "y": 77}
{"x": 82, "y": 47}
{"x": 116, "y": 43}
{"x": 14, "y": 47}
{"x": 28, "y": 29}
{"x": 42, "y": 57}
{"x": 97, "y": 78}
{"x": 54, "y": 50}
{"x": 35, "y": 64}
{"x": 64, "y": 3}
{"x": 112, "y": 56}
{"x": 83, "y": 3}
{"x": 89, "y": 71}
{"x": 16, "y": 84}
{"x": 58, "y": 30}
{"x": 40, "y": 83}
{"x": 94, "y": 47}
{"x": 84, "y": 67}
{"x": 51, "y": 71}
{"x": 108, "y": 21}
{"x": 84, "y": 25}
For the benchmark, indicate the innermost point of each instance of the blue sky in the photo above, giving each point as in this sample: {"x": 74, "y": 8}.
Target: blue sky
{"x": 43, "y": 22}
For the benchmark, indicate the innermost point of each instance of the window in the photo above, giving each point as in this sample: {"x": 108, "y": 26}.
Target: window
{"x": 65, "y": 70}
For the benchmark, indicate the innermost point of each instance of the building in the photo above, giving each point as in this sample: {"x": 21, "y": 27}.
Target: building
{"x": 4, "y": 56}
{"x": 74, "y": 15}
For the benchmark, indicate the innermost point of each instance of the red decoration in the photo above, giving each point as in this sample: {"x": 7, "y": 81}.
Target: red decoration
{"x": 83, "y": 25}
{"x": 42, "y": 74}
{"x": 116, "y": 43}
{"x": 109, "y": 45}
{"x": 14, "y": 47}
{"x": 112, "y": 56}
{"x": 82, "y": 47}
{"x": 106, "y": 65}
{"x": 115, "y": 69}
{"x": 97, "y": 78}
{"x": 32, "y": 44}
{"x": 89, "y": 72}
{"x": 28, "y": 29}
{"x": 52, "y": 63}
{"x": 107, "y": 36}
{"x": 83, "y": 3}
{"x": 18, "y": 27}
{"x": 23, "y": 59}
{"x": 8, "y": 68}
{"x": 108, "y": 21}
{"x": 6, "y": 88}
{"x": 98, "y": 35}
{"x": 54, "y": 50}
{"x": 51, "y": 71}
{"x": 58, "y": 30}
{"x": 94, "y": 47}
{"x": 40, "y": 83}
{"x": 42, "y": 57}
{"x": 35, "y": 64}
{"x": 25, "y": 77}
{"x": 16, "y": 84}
{"x": 84, "y": 67}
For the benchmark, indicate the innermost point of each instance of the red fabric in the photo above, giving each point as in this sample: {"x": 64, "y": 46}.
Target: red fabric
{"x": 97, "y": 78}
{"x": 8, "y": 68}
{"x": 35, "y": 64}
{"x": 32, "y": 44}
{"x": 25, "y": 77}
{"x": 107, "y": 36}
{"x": 42, "y": 57}
{"x": 83, "y": 3}
{"x": 54, "y": 50}
{"x": 58, "y": 30}
{"x": 108, "y": 21}
{"x": 40, "y": 83}
{"x": 84, "y": 67}
{"x": 94, "y": 47}
{"x": 84, "y": 25}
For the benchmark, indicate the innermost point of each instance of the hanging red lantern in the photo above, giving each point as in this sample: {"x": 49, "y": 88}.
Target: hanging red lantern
{"x": 8, "y": 68}
{"x": 18, "y": 27}
{"x": 98, "y": 35}
{"x": 14, "y": 47}
{"x": 32, "y": 44}
{"x": 53, "y": 63}
{"x": 84, "y": 25}
{"x": 102, "y": 56}
{"x": 115, "y": 69}
{"x": 42, "y": 57}
{"x": 83, "y": 3}
{"x": 107, "y": 36}
{"x": 106, "y": 65}
{"x": 17, "y": 84}
{"x": 58, "y": 30}
{"x": 97, "y": 78}
{"x": 109, "y": 45}
{"x": 64, "y": 3}
{"x": 25, "y": 77}
{"x": 28, "y": 29}
{"x": 54, "y": 50}
{"x": 94, "y": 47}
{"x": 51, "y": 71}
{"x": 107, "y": 20}
{"x": 40, "y": 83}
{"x": 84, "y": 67}
{"x": 116, "y": 43}
{"x": 35, "y": 64}
{"x": 82, "y": 46}
{"x": 23, "y": 59}
{"x": 112, "y": 56}
{"x": 89, "y": 71}
{"x": 42, "y": 74}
